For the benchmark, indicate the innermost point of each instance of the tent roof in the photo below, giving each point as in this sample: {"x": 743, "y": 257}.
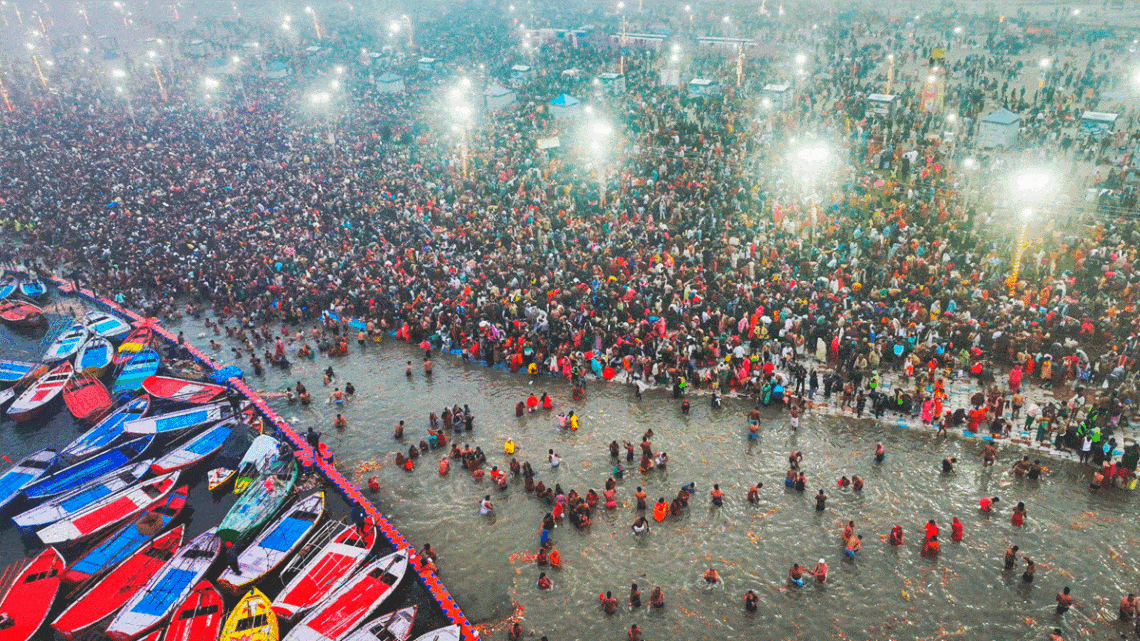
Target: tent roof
{"x": 565, "y": 101}
{"x": 389, "y": 77}
{"x": 1002, "y": 117}
{"x": 496, "y": 90}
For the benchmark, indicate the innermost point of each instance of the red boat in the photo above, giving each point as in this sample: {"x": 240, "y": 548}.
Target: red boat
{"x": 87, "y": 398}
{"x": 120, "y": 584}
{"x": 181, "y": 390}
{"x": 21, "y": 314}
{"x": 138, "y": 340}
{"x": 199, "y": 616}
{"x": 41, "y": 393}
{"x": 29, "y": 599}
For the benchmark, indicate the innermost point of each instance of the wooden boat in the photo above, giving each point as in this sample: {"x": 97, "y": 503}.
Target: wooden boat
{"x": 41, "y": 393}
{"x": 394, "y": 626}
{"x": 8, "y": 286}
{"x": 12, "y": 372}
{"x": 107, "y": 431}
{"x": 33, "y": 288}
{"x": 261, "y": 454}
{"x": 107, "y": 326}
{"x": 218, "y": 477}
{"x": 87, "y": 398}
{"x": 251, "y": 620}
{"x": 95, "y": 355}
{"x": 71, "y": 502}
{"x": 153, "y": 636}
{"x": 23, "y": 473}
{"x": 135, "y": 342}
{"x": 6, "y": 396}
{"x": 30, "y": 597}
{"x": 199, "y": 616}
{"x": 446, "y": 633}
{"x": 354, "y": 601}
{"x": 167, "y": 588}
{"x": 195, "y": 450}
{"x": 126, "y": 540}
{"x": 21, "y": 313}
{"x": 67, "y": 344}
{"x": 260, "y": 502}
{"x": 73, "y": 476}
{"x": 324, "y": 570}
{"x": 144, "y": 364}
{"x": 172, "y": 422}
{"x": 100, "y": 600}
{"x": 274, "y": 544}
{"x": 109, "y": 511}
{"x": 183, "y": 391}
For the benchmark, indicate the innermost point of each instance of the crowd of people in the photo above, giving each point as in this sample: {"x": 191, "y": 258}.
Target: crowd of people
{"x": 691, "y": 253}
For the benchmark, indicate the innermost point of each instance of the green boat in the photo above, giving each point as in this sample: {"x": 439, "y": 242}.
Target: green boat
{"x": 260, "y": 502}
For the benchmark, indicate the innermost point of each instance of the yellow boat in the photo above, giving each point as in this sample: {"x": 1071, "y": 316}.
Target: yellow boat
{"x": 252, "y": 620}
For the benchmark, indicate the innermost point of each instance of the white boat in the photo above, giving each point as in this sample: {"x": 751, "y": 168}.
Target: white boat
{"x": 195, "y": 449}
{"x": 275, "y": 543}
{"x": 67, "y": 504}
{"x": 167, "y": 588}
{"x": 354, "y": 601}
{"x": 106, "y": 432}
{"x": 446, "y": 633}
{"x": 41, "y": 393}
{"x": 323, "y": 571}
{"x": 108, "y": 326}
{"x": 109, "y": 510}
{"x": 178, "y": 421}
{"x": 394, "y": 626}
{"x": 23, "y": 473}
{"x": 95, "y": 355}
{"x": 67, "y": 344}
{"x": 261, "y": 454}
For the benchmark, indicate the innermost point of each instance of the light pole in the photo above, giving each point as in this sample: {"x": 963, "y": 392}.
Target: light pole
{"x": 1031, "y": 186}
{"x": 599, "y": 132}
{"x": 808, "y": 163}
{"x": 890, "y": 72}
{"x": 461, "y": 111}
{"x": 119, "y": 75}
{"x": 316, "y": 22}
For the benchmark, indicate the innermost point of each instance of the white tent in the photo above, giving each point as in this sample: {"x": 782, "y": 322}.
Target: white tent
{"x": 427, "y": 65}
{"x": 881, "y": 103}
{"x": 277, "y": 69}
{"x": 703, "y": 87}
{"x": 777, "y": 95}
{"x": 613, "y": 83}
{"x": 390, "y": 83}
{"x": 497, "y": 97}
{"x": 520, "y": 75}
{"x": 565, "y": 106}
{"x": 999, "y": 129}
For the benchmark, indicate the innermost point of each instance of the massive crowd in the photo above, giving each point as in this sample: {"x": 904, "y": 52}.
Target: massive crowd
{"x": 706, "y": 261}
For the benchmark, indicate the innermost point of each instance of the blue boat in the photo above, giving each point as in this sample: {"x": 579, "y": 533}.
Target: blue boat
{"x": 127, "y": 539}
{"x": 21, "y": 474}
{"x": 76, "y": 500}
{"x": 13, "y": 371}
{"x": 178, "y": 421}
{"x": 72, "y": 477}
{"x": 108, "y": 326}
{"x": 95, "y": 356}
{"x": 33, "y": 288}
{"x": 130, "y": 380}
{"x": 8, "y": 287}
{"x": 105, "y": 433}
{"x": 196, "y": 449}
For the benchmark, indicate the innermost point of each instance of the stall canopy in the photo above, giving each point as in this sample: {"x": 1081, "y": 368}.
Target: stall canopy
{"x": 497, "y": 97}
{"x": 612, "y": 82}
{"x": 1097, "y": 122}
{"x": 999, "y": 129}
{"x": 390, "y": 83}
{"x": 881, "y": 103}
{"x": 776, "y": 95}
{"x": 427, "y": 65}
{"x": 565, "y": 106}
{"x": 699, "y": 87}
{"x": 520, "y": 75}
{"x": 277, "y": 69}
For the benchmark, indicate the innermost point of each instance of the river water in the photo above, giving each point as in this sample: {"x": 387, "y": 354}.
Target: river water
{"x": 1077, "y": 538}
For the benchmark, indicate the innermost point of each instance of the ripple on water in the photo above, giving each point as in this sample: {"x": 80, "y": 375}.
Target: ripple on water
{"x": 1078, "y": 538}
